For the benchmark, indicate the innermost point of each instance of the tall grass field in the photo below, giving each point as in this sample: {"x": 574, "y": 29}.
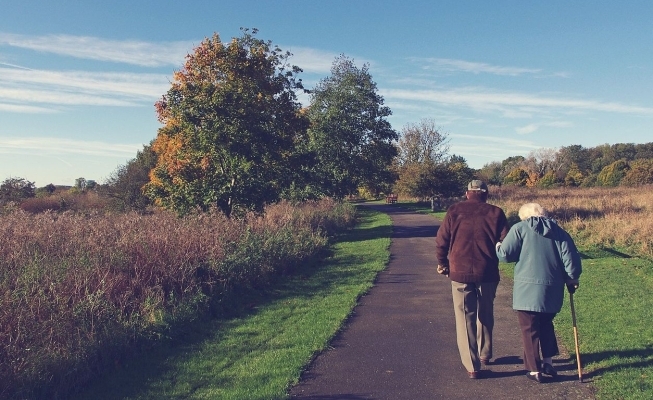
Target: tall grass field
{"x": 260, "y": 353}
{"x": 81, "y": 292}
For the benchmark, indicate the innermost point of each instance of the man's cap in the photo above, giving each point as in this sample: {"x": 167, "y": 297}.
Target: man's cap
{"x": 477, "y": 185}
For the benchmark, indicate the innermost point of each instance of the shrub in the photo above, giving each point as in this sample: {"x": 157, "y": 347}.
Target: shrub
{"x": 640, "y": 173}
{"x": 612, "y": 174}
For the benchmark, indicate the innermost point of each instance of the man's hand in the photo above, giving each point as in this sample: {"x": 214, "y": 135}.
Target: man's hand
{"x": 443, "y": 270}
{"x": 572, "y": 286}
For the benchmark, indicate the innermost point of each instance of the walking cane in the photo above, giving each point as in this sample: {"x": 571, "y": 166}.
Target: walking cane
{"x": 573, "y": 319}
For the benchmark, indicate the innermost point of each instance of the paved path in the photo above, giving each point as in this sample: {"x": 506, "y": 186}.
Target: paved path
{"x": 400, "y": 342}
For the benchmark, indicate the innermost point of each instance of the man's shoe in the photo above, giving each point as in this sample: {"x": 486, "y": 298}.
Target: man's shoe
{"x": 548, "y": 369}
{"x": 473, "y": 374}
{"x": 485, "y": 361}
{"x": 537, "y": 377}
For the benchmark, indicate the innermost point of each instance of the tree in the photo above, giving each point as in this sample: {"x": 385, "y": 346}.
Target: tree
{"x": 460, "y": 175}
{"x": 16, "y": 189}
{"x": 543, "y": 160}
{"x": 612, "y": 174}
{"x": 491, "y": 173}
{"x": 350, "y": 139}
{"x": 601, "y": 156}
{"x": 517, "y": 176}
{"x": 640, "y": 173}
{"x": 421, "y": 153}
{"x": 644, "y": 150}
{"x": 430, "y": 180}
{"x": 548, "y": 180}
{"x": 46, "y": 190}
{"x": 422, "y": 142}
{"x": 510, "y": 164}
{"x": 80, "y": 184}
{"x": 126, "y": 184}
{"x": 574, "y": 176}
{"x": 409, "y": 180}
{"x": 625, "y": 151}
{"x": 231, "y": 122}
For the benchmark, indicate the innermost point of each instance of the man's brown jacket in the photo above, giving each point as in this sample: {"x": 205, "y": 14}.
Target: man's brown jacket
{"x": 466, "y": 241}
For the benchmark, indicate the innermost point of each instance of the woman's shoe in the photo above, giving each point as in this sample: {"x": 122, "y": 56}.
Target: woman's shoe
{"x": 548, "y": 369}
{"x": 537, "y": 377}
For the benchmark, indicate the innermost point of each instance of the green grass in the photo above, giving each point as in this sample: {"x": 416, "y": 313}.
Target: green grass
{"x": 614, "y": 315}
{"x": 260, "y": 353}
{"x": 422, "y": 208}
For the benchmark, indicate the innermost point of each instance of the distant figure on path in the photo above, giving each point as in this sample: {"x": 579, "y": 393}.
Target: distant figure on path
{"x": 465, "y": 250}
{"x": 547, "y": 260}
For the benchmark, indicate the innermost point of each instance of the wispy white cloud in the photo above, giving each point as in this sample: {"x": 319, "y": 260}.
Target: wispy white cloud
{"x": 60, "y": 146}
{"x": 61, "y": 98}
{"x": 530, "y": 128}
{"x": 511, "y": 104}
{"x": 146, "y": 54}
{"x": 128, "y": 84}
{"x": 25, "y": 109}
{"x": 13, "y": 65}
{"x": 312, "y": 60}
{"x": 447, "y": 64}
{"x": 559, "y": 124}
{"x": 30, "y": 91}
{"x": 499, "y": 140}
{"x": 481, "y": 148}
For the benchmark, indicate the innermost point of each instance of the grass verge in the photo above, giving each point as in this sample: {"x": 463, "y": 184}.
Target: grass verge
{"x": 260, "y": 353}
{"x": 614, "y": 310}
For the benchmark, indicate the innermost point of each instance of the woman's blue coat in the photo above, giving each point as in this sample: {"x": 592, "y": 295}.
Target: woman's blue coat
{"x": 546, "y": 258}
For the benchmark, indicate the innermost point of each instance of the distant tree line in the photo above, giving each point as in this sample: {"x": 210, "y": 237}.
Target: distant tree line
{"x": 626, "y": 164}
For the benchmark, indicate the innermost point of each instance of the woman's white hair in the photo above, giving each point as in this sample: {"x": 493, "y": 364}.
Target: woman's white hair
{"x": 531, "y": 210}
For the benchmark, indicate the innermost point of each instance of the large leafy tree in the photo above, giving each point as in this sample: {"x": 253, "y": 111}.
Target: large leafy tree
{"x": 231, "y": 121}
{"x": 425, "y": 168}
{"x": 350, "y": 138}
{"x": 446, "y": 179}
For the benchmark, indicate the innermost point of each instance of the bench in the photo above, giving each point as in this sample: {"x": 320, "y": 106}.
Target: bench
{"x": 391, "y": 199}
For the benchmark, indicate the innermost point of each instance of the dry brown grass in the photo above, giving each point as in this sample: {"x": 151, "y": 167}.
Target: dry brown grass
{"x": 77, "y": 290}
{"x": 66, "y": 200}
{"x": 619, "y": 217}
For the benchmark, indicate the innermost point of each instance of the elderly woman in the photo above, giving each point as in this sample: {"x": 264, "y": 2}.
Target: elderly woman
{"x": 546, "y": 260}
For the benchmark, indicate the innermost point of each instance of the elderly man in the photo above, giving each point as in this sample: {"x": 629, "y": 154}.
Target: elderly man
{"x": 465, "y": 250}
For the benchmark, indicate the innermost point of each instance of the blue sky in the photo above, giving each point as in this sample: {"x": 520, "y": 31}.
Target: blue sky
{"x": 78, "y": 79}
